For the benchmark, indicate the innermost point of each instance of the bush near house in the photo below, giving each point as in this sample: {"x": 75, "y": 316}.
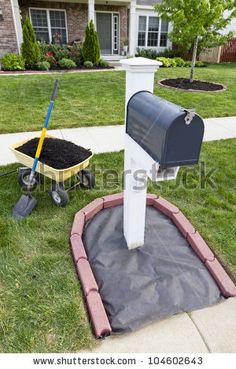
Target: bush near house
{"x": 54, "y": 53}
{"x": 43, "y": 56}
{"x": 91, "y": 47}
{"x": 43, "y": 65}
{"x": 153, "y": 54}
{"x": 88, "y": 64}
{"x": 13, "y": 62}
{"x": 103, "y": 63}
{"x": 67, "y": 63}
{"x": 178, "y": 62}
{"x": 29, "y": 48}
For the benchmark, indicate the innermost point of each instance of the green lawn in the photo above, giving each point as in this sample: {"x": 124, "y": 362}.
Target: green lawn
{"x": 41, "y": 304}
{"x": 88, "y": 99}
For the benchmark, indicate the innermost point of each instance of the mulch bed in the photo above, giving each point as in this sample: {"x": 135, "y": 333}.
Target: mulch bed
{"x": 57, "y": 153}
{"x": 184, "y": 84}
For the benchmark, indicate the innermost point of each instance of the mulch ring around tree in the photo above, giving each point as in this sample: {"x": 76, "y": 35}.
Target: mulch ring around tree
{"x": 56, "y": 153}
{"x": 196, "y": 85}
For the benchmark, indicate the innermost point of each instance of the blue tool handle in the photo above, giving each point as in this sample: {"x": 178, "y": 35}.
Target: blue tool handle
{"x": 45, "y": 126}
{"x": 54, "y": 94}
{"x": 47, "y": 118}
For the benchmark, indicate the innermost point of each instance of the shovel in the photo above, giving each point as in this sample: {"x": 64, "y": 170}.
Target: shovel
{"x": 27, "y": 202}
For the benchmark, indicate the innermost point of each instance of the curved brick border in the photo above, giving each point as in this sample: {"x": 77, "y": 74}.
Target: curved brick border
{"x": 95, "y": 306}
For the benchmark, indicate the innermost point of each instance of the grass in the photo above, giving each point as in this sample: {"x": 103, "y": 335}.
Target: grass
{"x": 88, "y": 99}
{"x": 41, "y": 304}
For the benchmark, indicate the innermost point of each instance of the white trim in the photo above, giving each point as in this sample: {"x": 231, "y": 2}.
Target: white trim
{"x": 147, "y": 13}
{"x": 91, "y": 10}
{"x": 49, "y": 20}
{"x": 145, "y": 7}
{"x": 17, "y": 23}
{"x": 112, "y": 28}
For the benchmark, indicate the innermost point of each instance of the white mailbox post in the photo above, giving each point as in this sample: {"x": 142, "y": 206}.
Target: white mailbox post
{"x": 139, "y": 165}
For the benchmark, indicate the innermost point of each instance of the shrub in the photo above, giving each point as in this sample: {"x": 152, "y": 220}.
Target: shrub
{"x": 43, "y": 65}
{"x": 166, "y": 62}
{"x": 67, "y": 63}
{"x": 91, "y": 47}
{"x": 55, "y": 52}
{"x": 200, "y": 64}
{"x": 147, "y": 53}
{"x": 88, "y": 64}
{"x": 49, "y": 58}
{"x": 187, "y": 64}
{"x": 29, "y": 48}
{"x": 172, "y": 62}
{"x": 13, "y": 62}
{"x": 103, "y": 63}
{"x": 59, "y": 51}
{"x": 153, "y": 54}
{"x": 179, "y": 62}
{"x": 75, "y": 54}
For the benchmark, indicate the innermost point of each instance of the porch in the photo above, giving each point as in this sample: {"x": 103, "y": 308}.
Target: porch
{"x": 68, "y": 19}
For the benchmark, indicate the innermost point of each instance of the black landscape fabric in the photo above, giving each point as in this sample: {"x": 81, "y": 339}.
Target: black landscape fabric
{"x": 162, "y": 278}
{"x": 57, "y": 153}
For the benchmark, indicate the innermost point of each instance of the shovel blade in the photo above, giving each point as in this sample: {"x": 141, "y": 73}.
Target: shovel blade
{"x": 24, "y": 207}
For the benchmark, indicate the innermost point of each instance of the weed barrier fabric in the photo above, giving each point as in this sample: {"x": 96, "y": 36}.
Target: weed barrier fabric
{"x": 162, "y": 278}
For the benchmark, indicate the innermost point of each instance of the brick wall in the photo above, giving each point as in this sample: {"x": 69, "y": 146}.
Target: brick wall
{"x": 8, "y": 41}
{"x": 77, "y": 15}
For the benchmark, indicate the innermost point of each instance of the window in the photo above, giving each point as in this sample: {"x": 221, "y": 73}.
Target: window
{"x": 142, "y": 31}
{"x": 152, "y": 31}
{"x": 164, "y": 33}
{"x": 49, "y": 25}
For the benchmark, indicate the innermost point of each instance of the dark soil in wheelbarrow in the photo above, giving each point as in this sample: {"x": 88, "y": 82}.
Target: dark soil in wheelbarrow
{"x": 56, "y": 153}
{"x": 185, "y": 84}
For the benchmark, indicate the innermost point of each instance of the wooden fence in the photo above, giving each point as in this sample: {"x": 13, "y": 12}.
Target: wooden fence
{"x": 228, "y": 52}
{"x": 220, "y": 54}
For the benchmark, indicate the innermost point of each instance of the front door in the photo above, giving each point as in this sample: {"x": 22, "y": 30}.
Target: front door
{"x": 108, "y": 32}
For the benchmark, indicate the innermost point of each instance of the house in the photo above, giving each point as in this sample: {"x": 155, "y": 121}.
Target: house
{"x": 115, "y": 21}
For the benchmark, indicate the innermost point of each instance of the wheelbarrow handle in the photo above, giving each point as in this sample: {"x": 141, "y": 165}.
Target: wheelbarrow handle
{"x": 55, "y": 89}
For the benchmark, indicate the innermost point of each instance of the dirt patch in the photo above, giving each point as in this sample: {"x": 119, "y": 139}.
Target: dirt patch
{"x": 58, "y": 154}
{"x": 196, "y": 85}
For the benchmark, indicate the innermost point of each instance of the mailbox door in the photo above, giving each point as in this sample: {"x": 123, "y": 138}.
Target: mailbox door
{"x": 183, "y": 142}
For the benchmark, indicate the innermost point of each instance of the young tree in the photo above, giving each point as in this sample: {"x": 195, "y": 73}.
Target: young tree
{"x": 29, "y": 48}
{"x": 91, "y": 46}
{"x": 197, "y": 23}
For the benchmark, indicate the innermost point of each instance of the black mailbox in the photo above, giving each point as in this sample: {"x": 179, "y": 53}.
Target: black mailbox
{"x": 170, "y": 134}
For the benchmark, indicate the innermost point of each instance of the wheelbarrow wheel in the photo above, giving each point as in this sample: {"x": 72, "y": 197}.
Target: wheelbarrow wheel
{"x": 23, "y": 179}
{"x": 59, "y": 195}
{"x": 87, "y": 179}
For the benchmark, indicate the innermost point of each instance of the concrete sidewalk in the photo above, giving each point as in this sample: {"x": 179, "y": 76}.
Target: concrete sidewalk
{"x": 212, "y": 329}
{"x": 109, "y": 138}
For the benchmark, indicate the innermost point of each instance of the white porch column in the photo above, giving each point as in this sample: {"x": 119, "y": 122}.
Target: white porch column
{"x": 132, "y": 28}
{"x": 139, "y": 77}
{"x": 17, "y": 23}
{"x": 91, "y": 10}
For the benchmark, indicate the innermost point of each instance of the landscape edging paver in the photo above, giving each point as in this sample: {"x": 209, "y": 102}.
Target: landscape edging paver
{"x": 96, "y": 309}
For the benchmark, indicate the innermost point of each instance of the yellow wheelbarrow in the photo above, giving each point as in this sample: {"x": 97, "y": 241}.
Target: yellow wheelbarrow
{"x": 58, "y": 192}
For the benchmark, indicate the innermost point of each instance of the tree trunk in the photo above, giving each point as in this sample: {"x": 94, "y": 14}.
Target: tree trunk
{"x": 193, "y": 59}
